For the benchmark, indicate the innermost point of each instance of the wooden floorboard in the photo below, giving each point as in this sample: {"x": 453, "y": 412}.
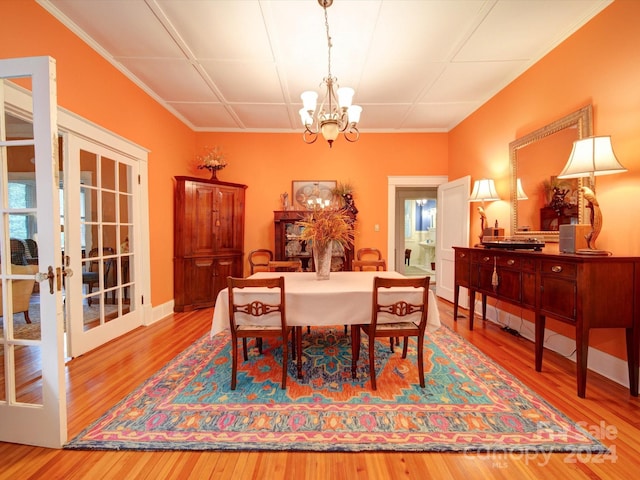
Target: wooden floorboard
{"x": 101, "y": 378}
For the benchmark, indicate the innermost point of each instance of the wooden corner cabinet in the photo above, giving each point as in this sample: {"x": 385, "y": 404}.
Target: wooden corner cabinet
{"x": 289, "y": 247}
{"x": 580, "y": 290}
{"x": 208, "y": 240}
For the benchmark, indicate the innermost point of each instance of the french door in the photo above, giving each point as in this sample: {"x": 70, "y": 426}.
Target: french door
{"x": 32, "y": 389}
{"x": 102, "y": 192}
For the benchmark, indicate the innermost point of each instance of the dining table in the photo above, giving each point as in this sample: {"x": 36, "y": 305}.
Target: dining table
{"x": 344, "y": 299}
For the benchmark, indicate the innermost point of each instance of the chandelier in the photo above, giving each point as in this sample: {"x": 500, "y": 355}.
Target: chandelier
{"x": 336, "y": 114}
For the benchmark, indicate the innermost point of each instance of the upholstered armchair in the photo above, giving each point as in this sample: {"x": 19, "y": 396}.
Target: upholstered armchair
{"x": 22, "y": 290}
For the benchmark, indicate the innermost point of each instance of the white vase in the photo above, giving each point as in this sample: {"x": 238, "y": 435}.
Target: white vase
{"x": 322, "y": 261}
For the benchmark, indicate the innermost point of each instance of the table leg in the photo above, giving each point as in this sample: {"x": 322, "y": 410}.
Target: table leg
{"x": 633, "y": 358}
{"x": 484, "y": 307}
{"x": 355, "y": 349}
{"x": 472, "y": 307}
{"x": 582, "y": 352}
{"x": 298, "y": 336}
{"x": 456, "y": 294}
{"x": 539, "y": 341}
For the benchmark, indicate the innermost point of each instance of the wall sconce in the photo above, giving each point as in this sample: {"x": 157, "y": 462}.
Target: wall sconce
{"x": 520, "y": 195}
{"x": 591, "y": 157}
{"x": 484, "y": 190}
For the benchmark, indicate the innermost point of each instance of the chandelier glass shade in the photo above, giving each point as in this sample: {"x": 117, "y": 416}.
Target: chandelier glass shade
{"x": 336, "y": 114}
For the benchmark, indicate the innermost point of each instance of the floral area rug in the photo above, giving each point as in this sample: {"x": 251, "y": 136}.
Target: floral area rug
{"x": 468, "y": 403}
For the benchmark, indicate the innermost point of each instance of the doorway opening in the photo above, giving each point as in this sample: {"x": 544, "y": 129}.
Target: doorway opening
{"x": 418, "y": 227}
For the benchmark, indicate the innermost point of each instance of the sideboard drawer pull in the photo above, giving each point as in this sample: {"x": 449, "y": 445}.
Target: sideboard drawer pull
{"x": 556, "y": 269}
{"x": 511, "y": 261}
{"x": 462, "y": 255}
{"x": 486, "y": 259}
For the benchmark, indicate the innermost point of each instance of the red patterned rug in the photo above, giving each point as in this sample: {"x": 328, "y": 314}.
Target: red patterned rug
{"x": 468, "y": 404}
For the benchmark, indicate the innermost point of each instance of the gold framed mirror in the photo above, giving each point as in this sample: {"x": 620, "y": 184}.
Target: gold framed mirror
{"x": 536, "y": 159}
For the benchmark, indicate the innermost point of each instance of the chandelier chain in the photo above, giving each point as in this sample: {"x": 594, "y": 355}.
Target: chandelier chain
{"x": 329, "y": 44}
{"x": 335, "y": 114}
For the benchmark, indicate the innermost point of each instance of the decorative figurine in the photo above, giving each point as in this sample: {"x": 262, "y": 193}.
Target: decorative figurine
{"x": 284, "y": 199}
{"x": 349, "y": 207}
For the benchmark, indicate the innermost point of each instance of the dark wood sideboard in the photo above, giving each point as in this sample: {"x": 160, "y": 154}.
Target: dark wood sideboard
{"x": 584, "y": 291}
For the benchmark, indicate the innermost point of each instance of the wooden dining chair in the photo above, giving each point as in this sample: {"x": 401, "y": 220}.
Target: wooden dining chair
{"x": 364, "y": 265}
{"x": 254, "y": 314}
{"x": 378, "y": 266}
{"x": 368, "y": 254}
{"x": 259, "y": 260}
{"x": 405, "y": 327}
{"x": 285, "y": 266}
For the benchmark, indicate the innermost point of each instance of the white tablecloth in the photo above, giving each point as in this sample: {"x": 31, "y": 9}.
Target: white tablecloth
{"x": 345, "y": 299}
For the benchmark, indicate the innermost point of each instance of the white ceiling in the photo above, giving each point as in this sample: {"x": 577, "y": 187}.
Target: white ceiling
{"x": 240, "y": 65}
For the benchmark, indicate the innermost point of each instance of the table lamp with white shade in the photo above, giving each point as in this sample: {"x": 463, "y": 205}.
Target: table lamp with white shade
{"x": 484, "y": 190}
{"x": 591, "y": 157}
{"x": 520, "y": 194}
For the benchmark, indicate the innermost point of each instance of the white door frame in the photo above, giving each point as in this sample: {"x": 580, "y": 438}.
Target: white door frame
{"x": 394, "y": 257}
{"x": 42, "y": 424}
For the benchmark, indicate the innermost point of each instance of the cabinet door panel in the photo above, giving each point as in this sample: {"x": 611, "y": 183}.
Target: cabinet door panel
{"x": 508, "y": 283}
{"x": 228, "y": 216}
{"x": 558, "y": 297}
{"x": 224, "y": 267}
{"x": 529, "y": 289}
{"x": 201, "y": 281}
{"x": 202, "y": 220}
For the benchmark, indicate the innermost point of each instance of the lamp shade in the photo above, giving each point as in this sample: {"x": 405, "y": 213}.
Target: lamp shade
{"x": 484, "y": 189}
{"x": 309, "y": 100}
{"x": 520, "y": 195}
{"x": 354, "y": 113}
{"x": 591, "y": 156}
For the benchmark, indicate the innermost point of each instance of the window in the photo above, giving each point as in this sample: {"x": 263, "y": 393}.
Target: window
{"x": 21, "y": 196}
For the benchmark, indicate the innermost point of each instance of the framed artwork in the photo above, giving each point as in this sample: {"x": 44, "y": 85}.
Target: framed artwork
{"x": 306, "y": 192}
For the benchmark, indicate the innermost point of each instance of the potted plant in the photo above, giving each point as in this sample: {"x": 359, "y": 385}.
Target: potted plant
{"x": 322, "y": 228}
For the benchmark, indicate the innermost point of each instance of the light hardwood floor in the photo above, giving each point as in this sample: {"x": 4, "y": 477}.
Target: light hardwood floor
{"x": 99, "y": 379}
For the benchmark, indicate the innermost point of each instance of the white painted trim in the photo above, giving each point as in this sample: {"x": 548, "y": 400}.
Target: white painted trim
{"x": 600, "y": 362}
{"x": 393, "y": 183}
{"x": 160, "y": 312}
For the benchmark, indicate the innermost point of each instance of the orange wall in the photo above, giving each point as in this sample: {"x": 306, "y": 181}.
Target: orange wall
{"x": 268, "y": 163}
{"x": 599, "y": 64}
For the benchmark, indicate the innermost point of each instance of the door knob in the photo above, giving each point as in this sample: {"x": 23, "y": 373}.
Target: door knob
{"x": 41, "y": 277}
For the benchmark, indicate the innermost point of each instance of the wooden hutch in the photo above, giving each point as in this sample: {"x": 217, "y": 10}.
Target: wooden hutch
{"x": 288, "y": 245}
{"x": 208, "y": 239}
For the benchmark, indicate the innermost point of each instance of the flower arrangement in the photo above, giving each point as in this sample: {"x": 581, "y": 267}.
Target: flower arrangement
{"x": 323, "y": 226}
{"x": 213, "y": 160}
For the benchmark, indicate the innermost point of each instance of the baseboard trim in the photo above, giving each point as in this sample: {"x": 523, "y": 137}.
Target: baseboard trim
{"x": 600, "y": 362}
